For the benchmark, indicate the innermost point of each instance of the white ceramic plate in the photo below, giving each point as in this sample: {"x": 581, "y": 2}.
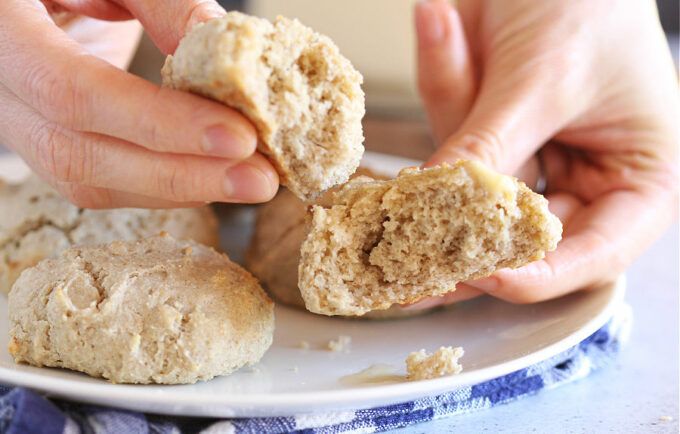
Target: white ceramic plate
{"x": 498, "y": 338}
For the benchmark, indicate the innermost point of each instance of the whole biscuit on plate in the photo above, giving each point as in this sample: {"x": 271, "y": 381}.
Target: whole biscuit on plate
{"x": 274, "y": 252}
{"x": 302, "y": 95}
{"x": 157, "y": 310}
{"x": 397, "y": 241}
{"x": 37, "y": 223}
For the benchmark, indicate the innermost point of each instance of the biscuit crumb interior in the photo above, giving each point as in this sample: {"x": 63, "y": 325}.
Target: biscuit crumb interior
{"x": 302, "y": 95}
{"x": 396, "y": 241}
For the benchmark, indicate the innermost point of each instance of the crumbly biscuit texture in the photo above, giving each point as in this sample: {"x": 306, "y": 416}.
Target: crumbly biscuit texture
{"x": 340, "y": 345}
{"x": 302, "y": 95}
{"x": 274, "y": 252}
{"x": 443, "y": 362}
{"x": 157, "y": 310}
{"x": 37, "y": 223}
{"x": 397, "y": 241}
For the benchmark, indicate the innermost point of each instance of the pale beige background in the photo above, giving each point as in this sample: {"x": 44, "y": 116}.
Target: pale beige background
{"x": 378, "y": 36}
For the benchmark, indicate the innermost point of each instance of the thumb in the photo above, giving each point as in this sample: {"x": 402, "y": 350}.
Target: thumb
{"x": 520, "y": 105}
{"x": 168, "y": 22}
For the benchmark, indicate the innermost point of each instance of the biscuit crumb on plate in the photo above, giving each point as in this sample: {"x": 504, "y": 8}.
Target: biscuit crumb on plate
{"x": 423, "y": 366}
{"x": 341, "y": 344}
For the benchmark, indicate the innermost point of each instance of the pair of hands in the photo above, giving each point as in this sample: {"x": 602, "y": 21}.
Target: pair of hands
{"x": 591, "y": 85}
{"x": 588, "y": 83}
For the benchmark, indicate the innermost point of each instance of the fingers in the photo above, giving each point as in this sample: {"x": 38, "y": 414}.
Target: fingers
{"x": 571, "y": 267}
{"x": 494, "y": 133}
{"x": 166, "y": 25}
{"x": 101, "y": 161}
{"x": 96, "y": 160}
{"x": 600, "y": 241}
{"x": 83, "y": 196}
{"x": 522, "y": 102}
{"x": 446, "y": 76}
{"x": 51, "y": 73}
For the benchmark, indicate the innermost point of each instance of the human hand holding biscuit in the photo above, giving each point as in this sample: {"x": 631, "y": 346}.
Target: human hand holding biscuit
{"x": 591, "y": 85}
{"x": 105, "y": 138}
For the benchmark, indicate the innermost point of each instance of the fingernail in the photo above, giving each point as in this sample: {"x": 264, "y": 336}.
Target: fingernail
{"x": 221, "y": 142}
{"x": 206, "y": 12}
{"x": 429, "y": 24}
{"x": 486, "y": 284}
{"x": 247, "y": 183}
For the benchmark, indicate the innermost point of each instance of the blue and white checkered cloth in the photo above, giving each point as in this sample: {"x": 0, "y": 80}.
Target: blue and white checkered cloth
{"x": 23, "y": 411}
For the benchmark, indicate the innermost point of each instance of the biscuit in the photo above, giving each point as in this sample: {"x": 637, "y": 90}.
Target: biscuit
{"x": 302, "y": 95}
{"x": 423, "y": 366}
{"x": 274, "y": 252}
{"x": 37, "y": 223}
{"x": 397, "y": 241}
{"x": 156, "y": 310}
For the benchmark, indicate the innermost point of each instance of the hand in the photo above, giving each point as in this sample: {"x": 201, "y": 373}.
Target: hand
{"x": 105, "y": 138}
{"x": 589, "y": 84}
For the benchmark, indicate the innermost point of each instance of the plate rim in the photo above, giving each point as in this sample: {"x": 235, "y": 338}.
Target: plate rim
{"x": 287, "y": 404}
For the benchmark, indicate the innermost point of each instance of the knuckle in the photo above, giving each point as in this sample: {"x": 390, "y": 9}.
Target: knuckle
{"x": 60, "y": 162}
{"x": 153, "y": 127}
{"x": 174, "y": 180}
{"x": 155, "y": 136}
{"x": 67, "y": 159}
{"x": 57, "y": 94}
{"x": 49, "y": 144}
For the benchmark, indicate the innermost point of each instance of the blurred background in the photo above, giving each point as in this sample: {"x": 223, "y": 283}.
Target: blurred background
{"x": 378, "y": 37}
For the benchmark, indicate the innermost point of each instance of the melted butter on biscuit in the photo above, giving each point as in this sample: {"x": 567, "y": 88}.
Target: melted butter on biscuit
{"x": 134, "y": 343}
{"x": 496, "y": 183}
